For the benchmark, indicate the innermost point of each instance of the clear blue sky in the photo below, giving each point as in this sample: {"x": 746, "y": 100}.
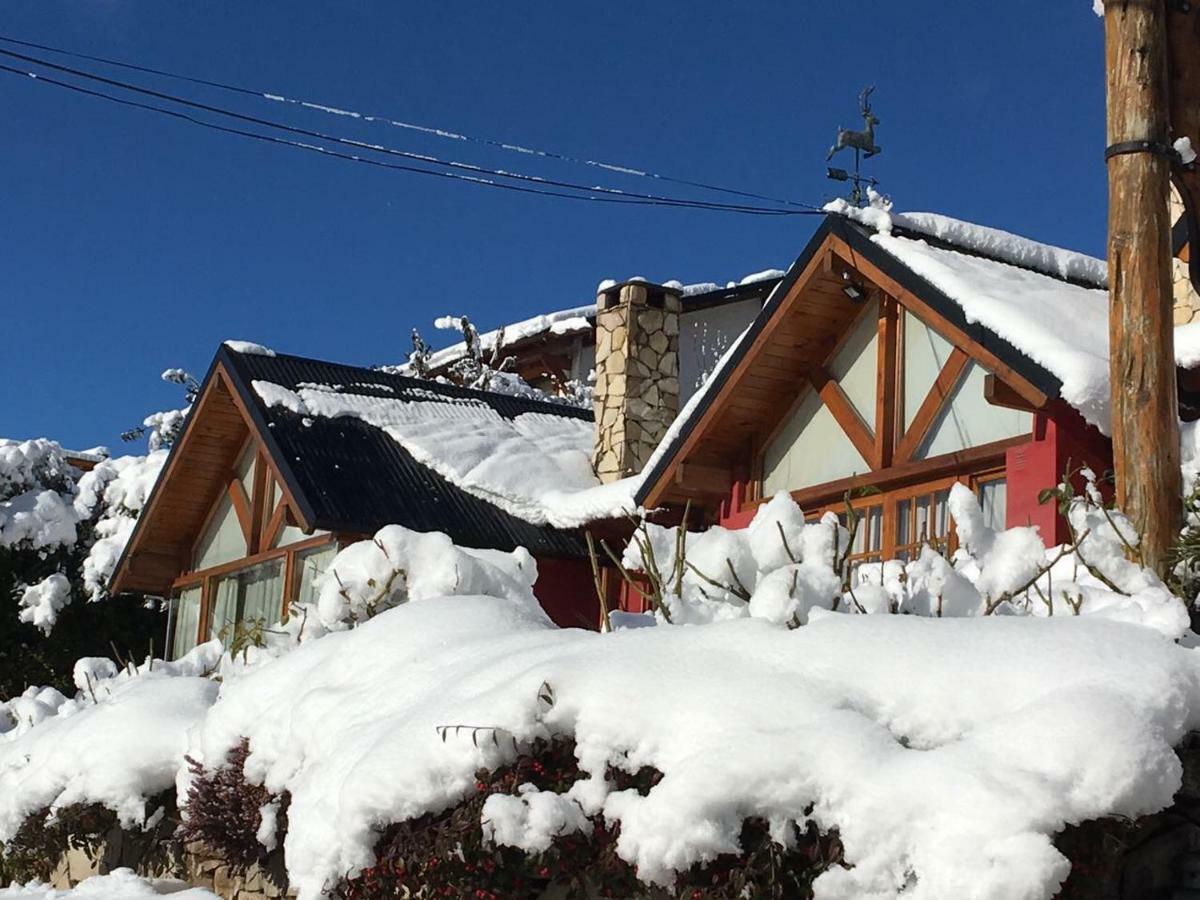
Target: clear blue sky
{"x": 132, "y": 243}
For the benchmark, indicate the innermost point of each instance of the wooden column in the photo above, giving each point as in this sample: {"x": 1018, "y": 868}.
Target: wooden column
{"x": 1145, "y": 418}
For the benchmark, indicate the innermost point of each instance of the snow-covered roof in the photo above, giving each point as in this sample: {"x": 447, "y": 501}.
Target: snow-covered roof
{"x": 1049, "y": 304}
{"x": 575, "y": 319}
{"x": 363, "y": 445}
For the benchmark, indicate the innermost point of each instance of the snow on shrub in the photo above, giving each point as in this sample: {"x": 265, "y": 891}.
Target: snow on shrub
{"x": 909, "y": 735}
{"x": 398, "y": 565}
{"x": 48, "y": 507}
{"x": 782, "y": 568}
{"x": 120, "y": 884}
{"x": 116, "y": 744}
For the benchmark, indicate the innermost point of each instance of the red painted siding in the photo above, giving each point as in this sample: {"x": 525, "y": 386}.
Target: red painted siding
{"x": 567, "y": 592}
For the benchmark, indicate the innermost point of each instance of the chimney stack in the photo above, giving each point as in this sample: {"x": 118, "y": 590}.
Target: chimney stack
{"x": 637, "y": 374}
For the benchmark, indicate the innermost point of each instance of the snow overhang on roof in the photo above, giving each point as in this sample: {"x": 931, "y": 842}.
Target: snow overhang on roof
{"x": 1041, "y": 310}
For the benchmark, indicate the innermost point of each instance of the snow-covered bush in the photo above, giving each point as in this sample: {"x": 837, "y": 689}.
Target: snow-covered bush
{"x": 61, "y": 533}
{"x": 398, "y": 565}
{"x": 782, "y": 568}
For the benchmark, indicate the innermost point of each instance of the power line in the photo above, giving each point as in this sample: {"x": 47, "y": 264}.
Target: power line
{"x": 378, "y": 148}
{"x": 411, "y": 126}
{"x": 325, "y": 151}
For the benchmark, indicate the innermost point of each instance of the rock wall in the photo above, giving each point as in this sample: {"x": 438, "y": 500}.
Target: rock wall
{"x": 637, "y": 375}
{"x": 1187, "y": 301}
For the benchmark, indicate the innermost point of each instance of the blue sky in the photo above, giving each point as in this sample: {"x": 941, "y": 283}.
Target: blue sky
{"x": 132, "y": 243}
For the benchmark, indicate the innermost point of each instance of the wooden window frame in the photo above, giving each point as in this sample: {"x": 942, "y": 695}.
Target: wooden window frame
{"x": 262, "y": 517}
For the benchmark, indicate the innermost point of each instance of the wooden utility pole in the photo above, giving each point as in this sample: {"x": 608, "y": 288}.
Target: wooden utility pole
{"x": 1145, "y": 415}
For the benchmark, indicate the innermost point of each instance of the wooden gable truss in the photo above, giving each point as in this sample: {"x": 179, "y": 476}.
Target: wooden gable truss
{"x": 788, "y": 356}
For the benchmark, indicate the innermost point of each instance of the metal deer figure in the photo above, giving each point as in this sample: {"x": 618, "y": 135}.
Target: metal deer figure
{"x": 860, "y": 140}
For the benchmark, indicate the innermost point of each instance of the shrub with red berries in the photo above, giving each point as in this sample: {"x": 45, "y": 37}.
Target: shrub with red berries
{"x": 445, "y": 855}
{"x": 224, "y": 811}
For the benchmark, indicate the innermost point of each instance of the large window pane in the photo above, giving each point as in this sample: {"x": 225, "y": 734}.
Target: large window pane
{"x": 857, "y": 362}
{"x": 312, "y": 565}
{"x": 968, "y": 420}
{"x": 187, "y": 621}
{"x": 810, "y": 449}
{"x": 245, "y": 598}
{"x": 224, "y": 540}
{"x": 925, "y": 352}
{"x": 993, "y": 497}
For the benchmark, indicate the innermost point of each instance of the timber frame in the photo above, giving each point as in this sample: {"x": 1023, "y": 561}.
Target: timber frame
{"x": 792, "y": 342}
{"x": 220, "y": 428}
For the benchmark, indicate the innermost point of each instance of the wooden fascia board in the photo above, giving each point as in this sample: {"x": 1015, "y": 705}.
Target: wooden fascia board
{"x": 117, "y": 581}
{"x": 248, "y": 406}
{"x": 946, "y": 317}
{"x": 783, "y": 298}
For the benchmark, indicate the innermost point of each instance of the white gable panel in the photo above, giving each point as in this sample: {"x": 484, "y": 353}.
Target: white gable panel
{"x": 223, "y": 541}
{"x": 856, "y": 364}
{"x": 810, "y": 449}
{"x": 968, "y": 420}
{"x": 704, "y": 336}
{"x": 925, "y": 352}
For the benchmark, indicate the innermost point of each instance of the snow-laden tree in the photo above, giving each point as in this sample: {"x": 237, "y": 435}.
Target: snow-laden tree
{"x": 483, "y": 366}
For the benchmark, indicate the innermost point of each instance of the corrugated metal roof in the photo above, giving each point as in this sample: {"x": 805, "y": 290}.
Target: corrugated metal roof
{"x": 351, "y": 476}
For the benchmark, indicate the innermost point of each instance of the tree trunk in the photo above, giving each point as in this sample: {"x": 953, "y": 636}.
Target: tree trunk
{"x": 1145, "y": 417}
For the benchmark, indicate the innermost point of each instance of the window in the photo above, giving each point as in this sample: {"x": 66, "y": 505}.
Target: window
{"x": 968, "y": 420}
{"x": 311, "y": 564}
{"x": 993, "y": 498}
{"x": 810, "y": 449}
{"x": 185, "y": 621}
{"x": 246, "y": 597}
{"x": 922, "y": 519}
{"x": 868, "y": 538}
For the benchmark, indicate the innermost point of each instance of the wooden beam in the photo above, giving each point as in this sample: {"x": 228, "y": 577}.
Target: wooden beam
{"x": 258, "y": 503}
{"x": 718, "y": 404}
{"x": 940, "y": 324}
{"x": 847, "y": 416}
{"x": 704, "y": 479}
{"x": 886, "y": 382}
{"x": 241, "y": 506}
{"x": 943, "y": 387}
{"x": 997, "y": 393}
{"x": 275, "y": 525}
{"x": 275, "y": 470}
{"x": 1145, "y": 412}
{"x": 909, "y": 473}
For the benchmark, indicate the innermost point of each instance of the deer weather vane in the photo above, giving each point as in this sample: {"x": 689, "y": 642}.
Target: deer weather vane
{"x": 863, "y": 144}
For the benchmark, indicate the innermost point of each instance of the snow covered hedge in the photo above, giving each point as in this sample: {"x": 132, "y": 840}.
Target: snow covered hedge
{"x": 920, "y": 730}
{"x": 61, "y": 533}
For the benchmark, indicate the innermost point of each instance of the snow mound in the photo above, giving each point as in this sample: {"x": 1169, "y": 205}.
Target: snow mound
{"x": 249, "y": 348}
{"x": 119, "y": 743}
{"x": 933, "y": 783}
{"x": 120, "y": 884}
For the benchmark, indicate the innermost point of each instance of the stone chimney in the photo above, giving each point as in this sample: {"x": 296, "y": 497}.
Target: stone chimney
{"x": 637, "y": 374}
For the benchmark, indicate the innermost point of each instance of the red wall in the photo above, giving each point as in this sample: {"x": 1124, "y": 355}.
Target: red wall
{"x": 567, "y": 592}
{"x": 1061, "y": 440}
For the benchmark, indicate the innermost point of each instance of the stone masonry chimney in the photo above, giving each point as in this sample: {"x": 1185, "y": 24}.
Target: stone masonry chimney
{"x": 637, "y": 374}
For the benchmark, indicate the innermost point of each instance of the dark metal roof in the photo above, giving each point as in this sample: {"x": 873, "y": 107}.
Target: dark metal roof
{"x": 859, "y": 239}
{"x": 350, "y": 476}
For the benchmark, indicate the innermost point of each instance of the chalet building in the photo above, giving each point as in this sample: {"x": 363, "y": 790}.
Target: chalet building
{"x": 256, "y": 499}
{"x": 894, "y": 361}
{"x": 898, "y": 355}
